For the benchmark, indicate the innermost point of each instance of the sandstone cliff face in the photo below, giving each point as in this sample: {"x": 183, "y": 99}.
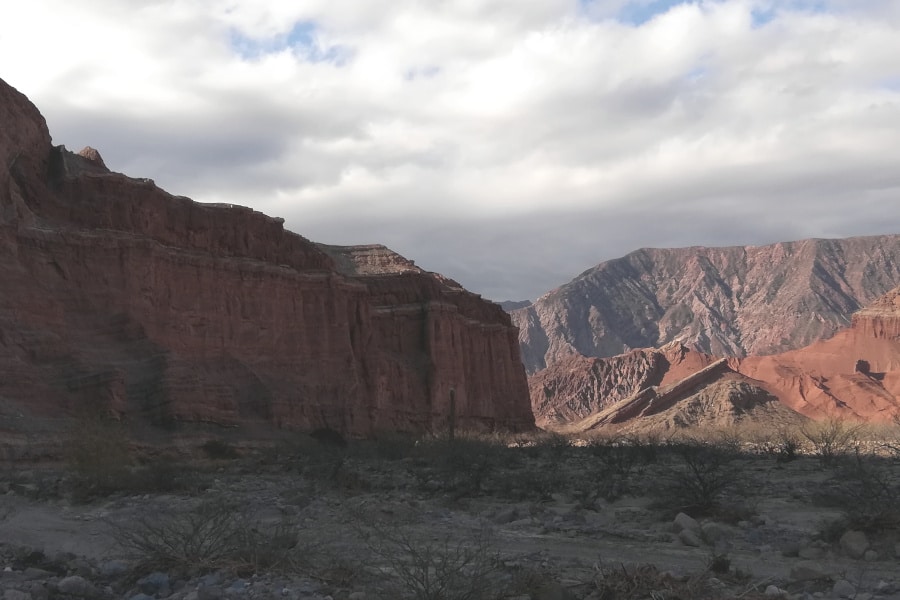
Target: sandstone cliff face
{"x": 119, "y": 295}
{"x": 726, "y": 301}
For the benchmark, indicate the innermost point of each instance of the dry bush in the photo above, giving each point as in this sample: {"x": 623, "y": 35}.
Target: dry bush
{"x": 702, "y": 476}
{"x": 216, "y": 449}
{"x": 833, "y": 438}
{"x": 867, "y": 490}
{"x": 461, "y": 467}
{"x": 217, "y": 534}
{"x": 429, "y": 569}
{"x": 646, "y": 581}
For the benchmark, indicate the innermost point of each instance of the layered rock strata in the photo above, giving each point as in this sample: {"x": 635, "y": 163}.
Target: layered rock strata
{"x": 734, "y": 301}
{"x": 854, "y": 375}
{"x": 119, "y": 296}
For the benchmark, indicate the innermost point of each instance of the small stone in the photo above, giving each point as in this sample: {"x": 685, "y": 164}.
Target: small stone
{"x": 811, "y": 553}
{"x": 870, "y": 556}
{"x": 76, "y": 585}
{"x": 774, "y": 591}
{"x": 113, "y": 568}
{"x": 854, "y": 544}
{"x": 686, "y": 522}
{"x": 808, "y": 570}
{"x": 239, "y": 585}
{"x": 155, "y": 584}
{"x": 843, "y": 589}
{"x": 16, "y": 595}
{"x": 507, "y": 515}
{"x": 33, "y": 573}
{"x": 690, "y": 538}
{"x": 209, "y": 592}
{"x": 714, "y": 532}
{"x": 552, "y": 590}
{"x": 790, "y": 549}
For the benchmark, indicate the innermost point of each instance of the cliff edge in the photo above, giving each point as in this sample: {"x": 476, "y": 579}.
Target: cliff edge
{"x": 121, "y": 297}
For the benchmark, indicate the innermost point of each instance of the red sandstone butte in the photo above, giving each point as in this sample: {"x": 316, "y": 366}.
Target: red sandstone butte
{"x": 119, "y": 296}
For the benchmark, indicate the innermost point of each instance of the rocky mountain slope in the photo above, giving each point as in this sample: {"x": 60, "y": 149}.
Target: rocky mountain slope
{"x": 725, "y": 301}
{"x": 853, "y": 375}
{"x": 118, "y": 296}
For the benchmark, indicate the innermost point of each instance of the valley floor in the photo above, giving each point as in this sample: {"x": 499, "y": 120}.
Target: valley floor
{"x": 467, "y": 519}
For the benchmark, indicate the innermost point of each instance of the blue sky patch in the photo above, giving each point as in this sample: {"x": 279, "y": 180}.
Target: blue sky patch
{"x": 636, "y": 12}
{"x": 301, "y": 39}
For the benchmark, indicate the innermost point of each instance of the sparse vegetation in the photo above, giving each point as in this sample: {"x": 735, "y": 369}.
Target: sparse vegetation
{"x": 436, "y": 569}
{"x": 217, "y": 449}
{"x": 867, "y": 489}
{"x": 216, "y": 534}
{"x": 702, "y": 475}
{"x": 832, "y": 438}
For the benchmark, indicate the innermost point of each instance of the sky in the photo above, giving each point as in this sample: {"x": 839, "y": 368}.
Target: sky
{"x": 508, "y": 144}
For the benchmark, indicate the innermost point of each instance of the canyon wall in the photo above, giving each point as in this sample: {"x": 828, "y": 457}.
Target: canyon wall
{"x": 119, "y": 296}
{"x": 725, "y": 301}
{"x": 853, "y": 375}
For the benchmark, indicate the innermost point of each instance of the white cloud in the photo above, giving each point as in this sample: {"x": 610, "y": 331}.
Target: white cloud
{"x": 507, "y": 144}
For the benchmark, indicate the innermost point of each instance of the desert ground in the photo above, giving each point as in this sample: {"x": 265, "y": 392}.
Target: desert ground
{"x": 729, "y": 513}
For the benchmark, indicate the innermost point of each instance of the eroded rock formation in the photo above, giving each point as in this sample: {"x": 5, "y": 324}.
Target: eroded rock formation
{"x": 853, "y": 375}
{"x": 725, "y": 301}
{"x": 119, "y": 296}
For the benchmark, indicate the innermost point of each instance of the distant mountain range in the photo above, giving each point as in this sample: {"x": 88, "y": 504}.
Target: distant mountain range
{"x": 854, "y": 375}
{"x": 734, "y": 301}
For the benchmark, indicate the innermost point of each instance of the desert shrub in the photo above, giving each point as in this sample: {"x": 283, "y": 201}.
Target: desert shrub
{"x": 548, "y": 445}
{"x": 867, "y": 490}
{"x": 217, "y": 449}
{"x": 389, "y": 446}
{"x": 647, "y": 581}
{"x": 98, "y": 456}
{"x": 703, "y": 474}
{"x": 787, "y": 445}
{"x": 216, "y": 534}
{"x": 832, "y": 438}
{"x": 461, "y": 466}
{"x": 435, "y": 569}
{"x": 612, "y": 465}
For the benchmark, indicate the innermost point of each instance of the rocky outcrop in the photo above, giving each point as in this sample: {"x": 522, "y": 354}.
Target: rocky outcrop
{"x": 717, "y": 402}
{"x": 854, "y": 375}
{"x": 823, "y": 380}
{"x": 881, "y": 319}
{"x": 579, "y": 386}
{"x": 725, "y": 301}
{"x": 119, "y": 296}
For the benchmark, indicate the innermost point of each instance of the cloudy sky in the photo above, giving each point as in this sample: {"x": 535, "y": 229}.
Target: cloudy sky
{"x": 509, "y": 144}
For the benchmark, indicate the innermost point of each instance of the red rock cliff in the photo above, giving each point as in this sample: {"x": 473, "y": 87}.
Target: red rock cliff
{"x": 118, "y": 294}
